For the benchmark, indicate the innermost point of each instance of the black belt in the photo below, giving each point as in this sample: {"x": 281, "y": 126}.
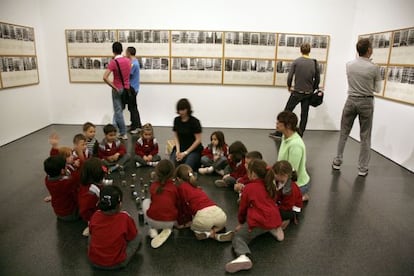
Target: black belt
{"x": 362, "y": 96}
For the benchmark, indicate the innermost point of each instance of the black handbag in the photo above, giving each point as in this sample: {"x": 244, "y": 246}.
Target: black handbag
{"x": 316, "y": 98}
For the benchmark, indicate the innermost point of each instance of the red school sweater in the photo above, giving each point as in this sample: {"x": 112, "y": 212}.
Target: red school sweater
{"x": 107, "y": 149}
{"x": 109, "y": 235}
{"x": 238, "y": 170}
{"x": 164, "y": 205}
{"x": 64, "y": 194}
{"x": 144, "y": 147}
{"x": 87, "y": 202}
{"x": 257, "y": 208}
{"x": 287, "y": 201}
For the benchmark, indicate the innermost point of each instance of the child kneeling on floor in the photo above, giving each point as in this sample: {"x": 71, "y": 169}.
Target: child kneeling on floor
{"x": 206, "y": 218}
{"x": 258, "y": 209}
{"x": 113, "y": 234}
{"x": 161, "y": 210}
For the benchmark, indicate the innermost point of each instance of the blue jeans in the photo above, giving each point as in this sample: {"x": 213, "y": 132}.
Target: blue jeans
{"x": 118, "y": 119}
{"x": 192, "y": 159}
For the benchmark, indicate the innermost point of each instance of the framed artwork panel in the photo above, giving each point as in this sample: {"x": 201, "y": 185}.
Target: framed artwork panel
{"x": 154, "y": 69}
{"x": 289, "y": 46}
{"x": 88, "y": 69}
{"x": 146, "y": 42}
{"x": 16, "y": 40}
{"x": 197, "y": 44}
{"x": 248, "y": 72}
{"x": 250, "y": 45}
{"x": 402, "y": 51}
{"x": 381, "y": 46}
{"x": 18, "y": 71}
{"x": 400, "y": 84}
{"x": 90, "y": 42}
{"x": 196, "y": 70}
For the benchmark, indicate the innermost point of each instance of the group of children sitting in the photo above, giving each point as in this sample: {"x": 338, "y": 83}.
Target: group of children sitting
{"x": 268, "y": 196}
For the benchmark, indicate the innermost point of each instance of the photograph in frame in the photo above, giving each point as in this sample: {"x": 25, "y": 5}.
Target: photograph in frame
{"x": 400, "y": 84}
{"x": 146, "y": 42}
{"x": 88, "y": 69}
{"x": 90, "y": 42}
{"x": 154, "y": 69}
{"x": 402, "y": 50}
{"x": 250, "y": 45}
{"x": 248, "y": 71}
{"x": 17, "y": 40}
{"x": 289, "y": 46}
{"x": 196, "y": 70}
{"x": 381, "y": 46}
{"x": 19, "y": 71}
{"x": 196, "y": 44}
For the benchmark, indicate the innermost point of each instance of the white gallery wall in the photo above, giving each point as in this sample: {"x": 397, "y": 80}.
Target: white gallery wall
{"x": 58, "y": 101}
{"x": 25, "y": 109}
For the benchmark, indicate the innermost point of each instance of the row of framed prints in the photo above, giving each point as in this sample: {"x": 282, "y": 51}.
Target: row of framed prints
{"x": 18, "y": 60}
{"x": 393, "y": 51}
{"x": 194, "y": 57}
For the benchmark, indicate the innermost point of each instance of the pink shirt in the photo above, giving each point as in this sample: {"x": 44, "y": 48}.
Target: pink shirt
{"x": 125, "y": 65}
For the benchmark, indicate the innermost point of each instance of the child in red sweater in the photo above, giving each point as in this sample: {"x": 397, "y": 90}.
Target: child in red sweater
{"x": 113, "y": 236}
{"x": 244, "y": 180}
{"x": 146, "y": 148}
{"x": 91, "y": 178}
{"x": 112, "y": 151}
{"x": 206, "y": 218}
{"x": 62, "y": 188}
{"x": 161, "y": 210}
{"x": 289, "y": 196}
{"x": 258, "y": 209}
{"x": 236, "y": 165}
{"x": 214, "y": 156}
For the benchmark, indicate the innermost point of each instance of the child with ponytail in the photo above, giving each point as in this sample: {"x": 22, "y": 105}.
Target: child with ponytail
{"x": 258, "y": 209}
{"x": 113, "y": 234}
{"x": 289, "y": 196}
{"x": 206, "y": 218}
{"x": 160, "y": 212}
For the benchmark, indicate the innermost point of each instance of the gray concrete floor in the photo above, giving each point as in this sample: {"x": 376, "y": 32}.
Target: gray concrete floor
{"x": 351, "y": 226}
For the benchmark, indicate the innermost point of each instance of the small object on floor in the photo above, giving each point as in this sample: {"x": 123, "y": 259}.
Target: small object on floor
{"x": 201, "y": 235}
{"x": 278, "y": 233}
{"x": 123, "y": 137}
{"x": 47, "y": 199}
{"x": 224, "y": 237}
{"x": 160, "y": 238}
{"x": 107, "y": 182}
{"x": 220, "y": 183}
{"x": 85, "y": 232}
{"x": 152, "y": 163}
{"x": 137, "y": 164}
{"x": 240, "y": 263}
{"x": 363, "y": 173}
{"x": 152, "y": 233}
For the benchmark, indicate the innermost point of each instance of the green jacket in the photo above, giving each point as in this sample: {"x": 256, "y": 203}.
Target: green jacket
{"x": 293, "y": 150}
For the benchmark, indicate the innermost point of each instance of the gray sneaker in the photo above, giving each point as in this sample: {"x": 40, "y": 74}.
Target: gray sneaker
{"x": 336, "y": 165}
{"x": 220, "y": 183}
{"x": 224, "y": 237}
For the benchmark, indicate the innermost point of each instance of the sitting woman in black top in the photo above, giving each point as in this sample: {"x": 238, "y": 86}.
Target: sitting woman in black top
{"x": 187, "y": 134}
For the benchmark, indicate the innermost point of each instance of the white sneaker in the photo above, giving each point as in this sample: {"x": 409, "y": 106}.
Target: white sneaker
{"x": 241, "y": 263}
{"x": 85, "y": 232}
{"x": 201, "y": 235}
{"x": 152, "y": 233}
{"x": 363, "y": 173}
{"x": 135, "y": 131}
{"x": 202, "y": 170}
{"x": 160, "y": 238}
{"x": 278, "y": 233}
{"x": 123, "y": 137}
{"x": 224, "y": 237}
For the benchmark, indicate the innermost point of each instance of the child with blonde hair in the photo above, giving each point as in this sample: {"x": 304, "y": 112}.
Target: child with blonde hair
{"x": 207, "y": 219}
{"x": 161, "y": 210}
{"x": 214, "y": 156}
{"x": 146, "y": 148}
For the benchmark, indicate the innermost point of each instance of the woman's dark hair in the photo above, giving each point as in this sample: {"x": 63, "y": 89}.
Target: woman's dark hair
{"x": 54, "y": 165}
{"x": 186, "y": 174}
{"x": 289, "y": 119}
{"x": 117, "y": 48}
{"x": 92, "y": 171}
{"x": 238, "y": 151}
{"x": 110, "y": 197}
{"x": 362, "y": 46}
{"x": 220, "y": 137}
{"x": 164, "y": 171}
{"x": 183, "y": 104}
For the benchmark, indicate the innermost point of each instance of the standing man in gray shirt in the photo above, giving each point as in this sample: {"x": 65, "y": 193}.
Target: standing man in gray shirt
{"x": 363, "y": 80}
{"x": 307, "y": 78}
